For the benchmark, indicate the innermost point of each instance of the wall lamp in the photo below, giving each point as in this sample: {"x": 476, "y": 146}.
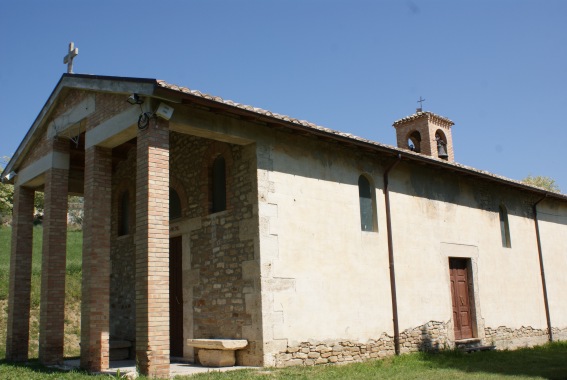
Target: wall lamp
{"x": 135, "y": 99}
{"x": 9, "y": 176}
{"x": 144, "y": 118}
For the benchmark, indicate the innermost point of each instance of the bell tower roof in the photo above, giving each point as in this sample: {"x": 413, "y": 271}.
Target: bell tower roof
{"x": 437, "y": 119}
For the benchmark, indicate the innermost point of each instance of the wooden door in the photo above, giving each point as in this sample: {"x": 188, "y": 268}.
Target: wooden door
{"x": 461, "y": 301}
{"x": 175, "y": 297}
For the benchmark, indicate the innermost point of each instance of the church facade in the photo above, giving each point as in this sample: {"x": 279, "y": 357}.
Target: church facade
{"x": 205, "y": 218}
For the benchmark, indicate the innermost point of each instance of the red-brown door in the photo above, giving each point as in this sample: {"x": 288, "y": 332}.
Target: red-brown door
{"x": 175, "y": 297}
{"x": 461, "y": 301}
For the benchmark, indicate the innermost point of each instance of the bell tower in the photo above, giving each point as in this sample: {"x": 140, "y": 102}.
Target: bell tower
{"x": 426, "y": 133}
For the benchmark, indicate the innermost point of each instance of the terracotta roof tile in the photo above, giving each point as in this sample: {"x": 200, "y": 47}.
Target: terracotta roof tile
{"x": 406, "y": 152}
{"x": 420, "y": 114}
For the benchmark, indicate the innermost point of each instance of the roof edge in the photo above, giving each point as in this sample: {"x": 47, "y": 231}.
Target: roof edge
{"x": 77, "y": 81}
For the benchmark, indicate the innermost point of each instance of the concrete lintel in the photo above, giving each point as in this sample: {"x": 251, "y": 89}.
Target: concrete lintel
{"x": 55, "y": 160}
{"x": 116, "y": 85}
{"x": 458, "y": 250}
{"x": 211, "y": 126}
{"x": 114, "y": 131}
{"x": 60, "y": 125}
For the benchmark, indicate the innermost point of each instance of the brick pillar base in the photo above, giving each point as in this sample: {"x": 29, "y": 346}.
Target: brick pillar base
{"x": 96, "y": 260}
{"x": 52, "y": 303}
{"x": 20, "y": 276}
{"x": 152, "y": 250}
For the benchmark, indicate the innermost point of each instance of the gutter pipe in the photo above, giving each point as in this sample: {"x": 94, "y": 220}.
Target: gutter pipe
{"x": 391, "y": 256}
{"x": 542, "y": 271}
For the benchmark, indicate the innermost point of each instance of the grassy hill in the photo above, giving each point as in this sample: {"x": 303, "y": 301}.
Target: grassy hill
{"x": 72, "y": 290}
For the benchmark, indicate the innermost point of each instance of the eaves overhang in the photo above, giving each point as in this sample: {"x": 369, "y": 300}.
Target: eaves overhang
{"x": 162, "y": 90}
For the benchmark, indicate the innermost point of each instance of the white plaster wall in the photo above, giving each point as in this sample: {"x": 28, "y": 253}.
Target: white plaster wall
{"x": 336, "y": 276}
{"x": 324, "y": 279}
{"x": 553, "y": 231}
{"x": 508, "y": 287}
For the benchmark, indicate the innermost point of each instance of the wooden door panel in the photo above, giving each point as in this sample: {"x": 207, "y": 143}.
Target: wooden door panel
{"x": 462, "y": 317}
{"x": 176, "y": 296}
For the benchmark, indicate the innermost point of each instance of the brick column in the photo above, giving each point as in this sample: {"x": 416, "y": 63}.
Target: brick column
{"x": 20, "y": 275}
{"x": 52, "y": 302}
{"x": 152, "y": 250}
{"x": 96, "y": 260}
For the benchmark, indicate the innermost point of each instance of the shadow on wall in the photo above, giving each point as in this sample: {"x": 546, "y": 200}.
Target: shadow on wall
{"x": 430, "y": 337}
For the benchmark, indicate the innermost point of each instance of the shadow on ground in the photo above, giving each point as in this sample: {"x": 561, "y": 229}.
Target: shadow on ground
{"x": 548, "y": 361}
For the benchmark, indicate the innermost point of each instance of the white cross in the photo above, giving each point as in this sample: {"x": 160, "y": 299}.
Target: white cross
{"x": 68, "y": 59}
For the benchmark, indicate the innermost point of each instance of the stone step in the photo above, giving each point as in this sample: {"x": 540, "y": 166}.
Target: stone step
{"x": 467, "y": 343}
{"x": 478, "y": 348}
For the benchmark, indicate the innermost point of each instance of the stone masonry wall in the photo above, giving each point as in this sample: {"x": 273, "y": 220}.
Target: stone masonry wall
{"x": 508, "y": 338}
{"x": 123, "y": 255}
{"x": 431, "y": 336}
{"x": 223, "y": 242}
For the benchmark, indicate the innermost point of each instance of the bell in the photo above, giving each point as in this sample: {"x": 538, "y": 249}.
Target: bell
{"x": 441, "y": 151}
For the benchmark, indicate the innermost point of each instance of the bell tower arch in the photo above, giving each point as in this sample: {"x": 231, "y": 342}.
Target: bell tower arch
{"x": 426, "y": 133}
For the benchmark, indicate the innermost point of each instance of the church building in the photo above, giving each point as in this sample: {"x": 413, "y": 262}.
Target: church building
{"x": 210, "y": 219}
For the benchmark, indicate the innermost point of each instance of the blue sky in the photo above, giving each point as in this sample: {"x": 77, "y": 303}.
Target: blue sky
{"x": 497, "y": 68}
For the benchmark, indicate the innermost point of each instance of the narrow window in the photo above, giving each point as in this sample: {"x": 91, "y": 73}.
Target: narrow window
{"x": 505, "y": 227}
{"x": 367, "y": 219}
{"x": 124, "y": 214}
{"x": 174, "y": 204}
{"x": 219, "y": 185}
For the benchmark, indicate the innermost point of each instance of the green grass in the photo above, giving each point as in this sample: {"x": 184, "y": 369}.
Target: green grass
{"x": 545, "y": 362}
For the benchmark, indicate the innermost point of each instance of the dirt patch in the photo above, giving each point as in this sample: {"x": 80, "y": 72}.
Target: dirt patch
{"x": 72, "y": 329}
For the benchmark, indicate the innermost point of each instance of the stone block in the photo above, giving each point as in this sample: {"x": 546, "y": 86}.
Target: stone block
{"x": 217, "y": 358}
{"x": 218, "y": 344}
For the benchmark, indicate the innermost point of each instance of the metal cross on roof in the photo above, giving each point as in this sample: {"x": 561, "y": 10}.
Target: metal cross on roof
{"x": 420, "y": 101}
{"x": 68, "y": 59}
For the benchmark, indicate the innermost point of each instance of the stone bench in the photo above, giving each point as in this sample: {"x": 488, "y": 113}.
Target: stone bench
{"x": 217, "y": 352}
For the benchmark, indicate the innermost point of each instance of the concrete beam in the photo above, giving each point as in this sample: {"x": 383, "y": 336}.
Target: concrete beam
{"x": 61, "y": 126}
{"x": 211, "y": 126}
{"x": 115, "y": 131}
{"x": 32, "y": 175}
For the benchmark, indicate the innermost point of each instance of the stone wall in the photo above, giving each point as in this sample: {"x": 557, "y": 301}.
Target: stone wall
{"x": 222, "y": 242}
{"x": 508, "y": 338}
{"x": 123, "y": 255}
{"x": 431, "y": 336}
{"x": 218, "y": 247}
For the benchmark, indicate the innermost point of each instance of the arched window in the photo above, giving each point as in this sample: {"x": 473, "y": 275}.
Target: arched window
{"x": 124, "y": 214}
{"x": 367, "y": 209}
{"x": 175, "y": 209}
{"x": 414, "y": 141}
{"x": 219, "y": 185}
{"x": 504, "y": 227}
